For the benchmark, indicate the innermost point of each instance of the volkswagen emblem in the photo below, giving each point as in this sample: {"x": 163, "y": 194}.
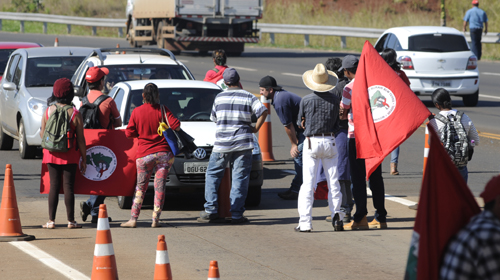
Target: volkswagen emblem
{"x": 200, "y": 153}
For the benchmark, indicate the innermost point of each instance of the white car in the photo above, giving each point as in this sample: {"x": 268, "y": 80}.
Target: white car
{"x": 434, "y": 57}
{"x": 191, "y": 102}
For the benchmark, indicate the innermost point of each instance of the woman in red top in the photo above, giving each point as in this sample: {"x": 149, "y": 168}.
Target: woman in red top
{"x": 64, "y": 164}
{"x": 214, "y": 75}
{"x": 153, "y": 152}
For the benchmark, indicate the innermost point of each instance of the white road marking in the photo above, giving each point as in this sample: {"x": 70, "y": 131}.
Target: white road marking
{"x": 292, "y": 74}
{"x": 489, "y": 73}
{"x": 393, "y": 198}
{"x": 244, "y": 69}
{"x": 489, "y": 96}
{"x": 48, "y": 260}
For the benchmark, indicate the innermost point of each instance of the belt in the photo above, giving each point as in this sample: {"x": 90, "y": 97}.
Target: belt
{"x": 323, "y": 134}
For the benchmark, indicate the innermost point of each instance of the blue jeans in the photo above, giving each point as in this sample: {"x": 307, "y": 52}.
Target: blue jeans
{"x": 395, "y": 155}
{"x": 297, "y": 180}
{"x": 464, "y": 172}
{"x": 475, "y": 38}
{"x": 241, "y": 162}
{"x": 93, "y": 202}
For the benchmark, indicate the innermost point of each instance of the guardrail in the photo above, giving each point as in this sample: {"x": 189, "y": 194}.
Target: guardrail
{"x": 306, "y": 30}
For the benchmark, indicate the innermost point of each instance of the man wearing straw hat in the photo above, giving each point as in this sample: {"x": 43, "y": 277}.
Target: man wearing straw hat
{"x": 318, "y": 115}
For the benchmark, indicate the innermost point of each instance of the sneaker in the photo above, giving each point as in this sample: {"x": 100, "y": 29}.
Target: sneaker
{"x": 361, "y": 225}
{"x": 347, "y": 218}
{"x": 95, "y": 218}
{"x": 297, "y": 229}
{"x": 377, "y": 224}
{"x": 289, "y": 195}
{"x": 84, "y": 210}
{"x": 337, "y": 224}
{"x": 207, "y": 217}
{"x": 241, "y": 220}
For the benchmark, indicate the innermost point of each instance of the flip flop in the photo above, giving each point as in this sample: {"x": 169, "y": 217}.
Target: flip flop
{"x": 74, "y": 225}
{"x": 49, "y": 225}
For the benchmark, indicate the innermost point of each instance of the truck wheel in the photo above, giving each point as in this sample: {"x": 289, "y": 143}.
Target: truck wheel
{"x": 124, "y": 202}
{"x": 253, "y": 196}
{"x": 26, "y": 151}
{"x": 471, "y": 100}
{"x": 6, "y": 142}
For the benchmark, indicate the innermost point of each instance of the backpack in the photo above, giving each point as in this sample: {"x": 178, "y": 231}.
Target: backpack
{"x": 56, "y": 137}
{"x": 90, "y": 112}
{"x": 454, "y": 138}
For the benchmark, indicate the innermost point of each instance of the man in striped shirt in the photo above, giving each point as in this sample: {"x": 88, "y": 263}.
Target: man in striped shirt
{"x": 232, "y": 111}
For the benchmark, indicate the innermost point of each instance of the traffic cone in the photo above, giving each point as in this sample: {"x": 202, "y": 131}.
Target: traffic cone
{"x": 104, "y": 266}
{"x": 10, "y": 222}
{"x": 427, "y": 146}
{"x": 265, "y": 133}
{"x": 162, "y": 267}
{"x": 223, "y": 194}
{"x": 56, "y": 42}
{"x": 213, "y": 271}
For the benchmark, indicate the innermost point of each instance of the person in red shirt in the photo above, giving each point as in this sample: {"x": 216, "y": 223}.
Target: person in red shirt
{"x": 153, "y": 152}
{"x": 215, "y": 75}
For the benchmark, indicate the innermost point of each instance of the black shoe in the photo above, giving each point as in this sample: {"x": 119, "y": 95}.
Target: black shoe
{"x": 297, "y": 229}
{"x": 289, "y": 195}
{"x": 207, "y": 218}
{"x": 84, "y": 210}
{"x": 95, "y": 218}
{"x": 241, "y": 220}
{"x": 347, "y": 218}
{"x": 337, "y": 224}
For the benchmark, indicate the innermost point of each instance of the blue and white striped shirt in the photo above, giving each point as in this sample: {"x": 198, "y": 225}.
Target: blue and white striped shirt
{"x": 232, "y": 111}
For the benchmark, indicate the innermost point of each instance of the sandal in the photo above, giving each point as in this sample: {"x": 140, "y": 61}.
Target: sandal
{"x": 74, "y": 225}
{"x": 49, "y": 225}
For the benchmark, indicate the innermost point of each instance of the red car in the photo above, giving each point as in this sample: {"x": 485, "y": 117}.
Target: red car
{"x": 6, "y": 48}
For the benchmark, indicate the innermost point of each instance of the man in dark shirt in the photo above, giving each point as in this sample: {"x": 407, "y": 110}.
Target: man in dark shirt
{"x": 320, "y": 112}
{"x": 286, "y": 105}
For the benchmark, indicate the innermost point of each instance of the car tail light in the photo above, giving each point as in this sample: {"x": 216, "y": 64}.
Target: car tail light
{"x": 406, "y": 63}
{"x": 472, "y": 63}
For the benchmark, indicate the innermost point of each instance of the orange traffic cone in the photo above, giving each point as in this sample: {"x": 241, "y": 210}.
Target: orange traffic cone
{"x": 162, "y": 267}
{"x": 56, "y": 42}
{"x": 213, "y": 271}
{"x": 10, "y": 222}
{"x": 427, "y": 146}
{"x": 104, "y": 267}
{"x": 265, "y": 133}
{"x": 223, "y": 194}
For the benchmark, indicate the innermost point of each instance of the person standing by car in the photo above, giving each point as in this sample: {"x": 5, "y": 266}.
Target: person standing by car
{"x": 64, "y": 165}
{"x": 286, "y": 105}
{"x": 476, "y": 19}
{"x": 232, "y": 111}
{"x": 319, "y": 111}
{"x": 153, "y": 152}
{"x": 109, "y": 117}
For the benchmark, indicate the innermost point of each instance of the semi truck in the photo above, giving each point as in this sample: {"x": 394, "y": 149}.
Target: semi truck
{"x": 200, "y": 25}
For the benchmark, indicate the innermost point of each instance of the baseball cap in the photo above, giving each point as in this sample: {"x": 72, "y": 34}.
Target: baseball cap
{"x": 474, "y": 2}
{"x": 349, "y": 61}
{"x": 62, "y": 87}
{"x": 492, "y": 189}
{"x": 231, "y": 76}
{"x": 269, "y": 82}
{"x": 95, "y": 73}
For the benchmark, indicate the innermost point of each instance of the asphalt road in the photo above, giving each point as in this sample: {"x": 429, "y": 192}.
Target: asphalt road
{"x": 267, "y": 248}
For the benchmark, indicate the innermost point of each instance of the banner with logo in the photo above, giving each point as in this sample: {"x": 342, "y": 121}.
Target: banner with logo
{"x": 111, "y": 169}
{"x": 385, "y": 110}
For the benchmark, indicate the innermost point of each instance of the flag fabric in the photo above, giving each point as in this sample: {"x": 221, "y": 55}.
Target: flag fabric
{"x": 385, "y": 110}
{"x": 111, "y": 169}
{"x": 446, "y": 205}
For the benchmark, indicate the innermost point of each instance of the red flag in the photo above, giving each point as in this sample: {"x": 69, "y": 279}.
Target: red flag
{"x": 385, "y": 110}
{"x": 111, "y": 169}
{"x": 446, "y": 205}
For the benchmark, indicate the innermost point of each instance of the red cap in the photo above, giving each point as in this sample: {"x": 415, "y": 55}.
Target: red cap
{"x": 62, "y": 87}
{"x": 475, "y": 2}
{"x": 95, "y": 73}
{"x": 492, "y": 189}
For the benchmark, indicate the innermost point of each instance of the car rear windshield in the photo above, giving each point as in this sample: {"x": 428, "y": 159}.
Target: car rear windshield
{"x": 437, "y": 43}
{"x": 4, "y": 58}
{"x": 187, "y": 104}
{"x": 118, "y": 73}
{"x": 44, "y": 71}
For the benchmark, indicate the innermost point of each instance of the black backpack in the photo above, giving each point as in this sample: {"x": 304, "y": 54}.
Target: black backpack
{"x": 90, "y": 112}
{"x": 454, "y": 138}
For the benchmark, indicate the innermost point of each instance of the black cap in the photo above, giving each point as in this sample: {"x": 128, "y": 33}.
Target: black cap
{"x": 269, "y": 82}
{"x": 349, "y": 61}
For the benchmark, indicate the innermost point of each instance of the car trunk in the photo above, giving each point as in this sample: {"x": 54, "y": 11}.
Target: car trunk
{"x": 442, "y": 63}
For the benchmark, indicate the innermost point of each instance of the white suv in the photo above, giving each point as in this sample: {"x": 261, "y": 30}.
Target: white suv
{"x": 129, "y": 64}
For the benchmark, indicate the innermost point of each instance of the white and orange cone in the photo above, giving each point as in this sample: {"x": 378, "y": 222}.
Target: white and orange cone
{"x": 104, "y": 267}
{"x": 56, "y": 42}
{"x": 427, "y": 146}
{"x": 265, "y": 133}
{"x": 162, "y": 267}
{"x": 213, "y": 271}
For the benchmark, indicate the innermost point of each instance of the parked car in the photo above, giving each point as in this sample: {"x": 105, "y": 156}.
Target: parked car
{"x": 191, "y": 102}
{"x": 435, "y": 57}
{"x": 128, "y": 64}
{"x": 7, "y": 48}
{"x": 27, "y": 83}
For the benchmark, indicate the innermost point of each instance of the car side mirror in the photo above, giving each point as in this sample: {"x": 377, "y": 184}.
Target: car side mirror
{"x": 9, "y": 86}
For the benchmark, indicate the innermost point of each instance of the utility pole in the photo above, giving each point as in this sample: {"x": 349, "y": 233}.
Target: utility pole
{"x": 443, "y": 14}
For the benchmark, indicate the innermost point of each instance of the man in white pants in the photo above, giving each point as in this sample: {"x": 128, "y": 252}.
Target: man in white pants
{"x": 319, "y": 116}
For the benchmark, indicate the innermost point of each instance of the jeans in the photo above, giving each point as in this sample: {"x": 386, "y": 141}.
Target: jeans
{"x": 395, "y": 155}
{"x": 464, "y": 172}
{"x": 376, "y": 183}
{"x": 93, "y": 202}
{"x": 475, "y": 37}
{"x": 297, "y": 180}
{"x": 241, "y": 162}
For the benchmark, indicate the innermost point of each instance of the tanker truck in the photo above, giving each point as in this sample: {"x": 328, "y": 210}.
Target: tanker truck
{"x": 200, "y": 25}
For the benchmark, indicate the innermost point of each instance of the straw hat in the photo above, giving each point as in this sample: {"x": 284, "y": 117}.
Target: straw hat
{"x": 320, "y": 79}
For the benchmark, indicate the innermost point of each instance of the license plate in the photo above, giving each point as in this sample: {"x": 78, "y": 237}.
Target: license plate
{"x": 195, "y": 167}
{"x": 441, "y": 83}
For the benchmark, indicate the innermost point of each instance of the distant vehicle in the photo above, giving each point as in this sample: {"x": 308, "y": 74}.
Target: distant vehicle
{"x": 25, "y": 88}
{"x": 435, "y": 57}
{"x": 201, "y": 25}
{"x": 7, "y": 48}
{"x": 127, "y": 64}
{"x": 191, "y": 102}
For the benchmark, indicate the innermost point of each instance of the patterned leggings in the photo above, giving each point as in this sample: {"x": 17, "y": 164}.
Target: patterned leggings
{"x": 160, "y": 163}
